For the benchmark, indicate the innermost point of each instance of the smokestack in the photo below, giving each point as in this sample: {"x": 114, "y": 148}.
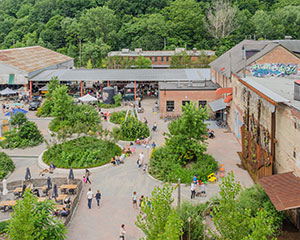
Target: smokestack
{"x": 243, "y": 52}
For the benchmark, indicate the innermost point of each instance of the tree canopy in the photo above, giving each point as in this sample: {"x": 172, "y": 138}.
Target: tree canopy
{"x": 95, "y": 27}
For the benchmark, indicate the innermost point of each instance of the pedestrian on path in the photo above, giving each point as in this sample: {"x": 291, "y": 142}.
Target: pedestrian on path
{"x": 139, "y": 163}
{"x": 193, "y": 191}
{"x": 203, "y": 192}
{"x": 134, "y": 199}
{"x": 122, "y": 232}
{"x": 90, "y": 196}
{"x": 87, "y": 176}
{"x": 98, "y": 197}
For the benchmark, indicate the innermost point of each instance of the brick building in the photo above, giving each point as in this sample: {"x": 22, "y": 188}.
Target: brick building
{"x": 173, "y": 95}
{"x": 161, "y": 59}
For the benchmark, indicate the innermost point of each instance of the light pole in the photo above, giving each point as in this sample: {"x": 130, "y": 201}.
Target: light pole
{"x": 179, "y": 193}
{"x": 204, "y": 226}
{"x": 189, "y": 221}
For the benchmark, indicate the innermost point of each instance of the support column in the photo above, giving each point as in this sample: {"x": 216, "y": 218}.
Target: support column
{"x": 134, "y": 90}
{"x": 30, "y": 90}
{"x": 108, "y": 83}
{"x": 81, "y": 88}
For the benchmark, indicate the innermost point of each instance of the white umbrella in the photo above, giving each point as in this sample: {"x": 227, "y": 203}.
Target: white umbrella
{"x": 5, "y": 191}
{"x": 87, "y": 98}
{"x": 7, "y": 91}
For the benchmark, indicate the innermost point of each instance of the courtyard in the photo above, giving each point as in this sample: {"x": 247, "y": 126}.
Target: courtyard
{"x": 117, "y": 183}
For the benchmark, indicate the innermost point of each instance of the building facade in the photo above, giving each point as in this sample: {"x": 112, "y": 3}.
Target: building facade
{"x": 160, "y": 59}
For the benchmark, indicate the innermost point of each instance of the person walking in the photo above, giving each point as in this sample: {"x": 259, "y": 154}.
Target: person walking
{"x": 87, "y": 176}
{"x": 203, "y": 192}
{"x": 90, "y": 196}
{"x": 98, "y": 197}
{"x": 134, "y": 199}
{"x": 122, "y": 232}
{"x": 193, "y": 191}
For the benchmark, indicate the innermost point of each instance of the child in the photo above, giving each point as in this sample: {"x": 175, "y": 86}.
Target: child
{"x": 84, "y": 179}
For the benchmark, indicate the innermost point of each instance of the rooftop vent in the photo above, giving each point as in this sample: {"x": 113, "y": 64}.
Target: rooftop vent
{"x": 288, "y": 37}
{"x": 125, "y": 50}
{"x": 194, "y": 50}
{"x": 179, "y": 50}
{"x": 297, "y": 90}
{"x": 138, "y": 50}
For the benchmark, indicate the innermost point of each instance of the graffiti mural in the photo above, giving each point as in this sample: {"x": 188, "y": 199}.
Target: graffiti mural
{"x": 273, "y": 69}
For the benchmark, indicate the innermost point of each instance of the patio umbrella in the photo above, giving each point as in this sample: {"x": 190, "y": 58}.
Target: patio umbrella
{"x": 5, "y": 191}
{"x": 23, "y": 189}
{"x": 28, "y": 174}
{"x": 71, "y": 174}
{"x": 55, "y": 194}
{"x": 15, "y": 111}
{"x": 49, "y": 183}
{"x": 17, "y": 104}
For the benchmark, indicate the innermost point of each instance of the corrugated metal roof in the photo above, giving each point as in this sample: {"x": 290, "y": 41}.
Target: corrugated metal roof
{"x": 283, "y": 190}
{"x": 159, "y": 53}
{"x": 217, "y": 105}
{"x": 30, "y": 59}
{"x": 193, "y": 85}
{"x": 124, "y": 74}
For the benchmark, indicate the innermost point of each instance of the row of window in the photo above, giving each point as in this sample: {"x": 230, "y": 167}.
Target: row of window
{"x": 155, "y": 59}
{"x": 171, "y": 104}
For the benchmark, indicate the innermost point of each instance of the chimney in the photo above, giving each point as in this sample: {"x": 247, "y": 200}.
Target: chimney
{"x": 297, "y": 90}
{"x": 244, "y": 53}
{"x": 287, "y": 37}
{"x": 194, "y": 50}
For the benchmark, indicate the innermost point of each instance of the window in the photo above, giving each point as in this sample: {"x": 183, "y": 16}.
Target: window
{"x": 161, "y": 59}
{"x": 185, "y": 102}
{"x": 167, "y": 59}
{"x": 202, "y": 103}
{"x": 151, "y": 58}
{"x": 170, "y": 106}
{"x": 155, "y": 59}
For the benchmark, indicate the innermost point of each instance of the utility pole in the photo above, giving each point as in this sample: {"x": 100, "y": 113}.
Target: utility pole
{"x": 179, "y": 194}
{"x": 80, "y": 53}
{"x": 165, "y": 44}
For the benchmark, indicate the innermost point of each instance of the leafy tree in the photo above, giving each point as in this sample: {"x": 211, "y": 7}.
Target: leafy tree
{"x": 233, "y": 222}
{"x": 158, "y": 220}
{"x": 180, "y": 60}
{"x": 62, "y": 102}
{"x": 6, "y": 165}
{"x": 132, "y": 128}
{"x": 18, "y": 120}
{"x": 263, "y": 24}
{"x": 31, "y": 220}
{"x": 187, "y": 134}
{"x": 89, "y": 64}
{"x": 142, "y": 62}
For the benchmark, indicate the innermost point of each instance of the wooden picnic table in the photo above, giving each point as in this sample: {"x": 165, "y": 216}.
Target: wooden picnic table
{"x": 61, "y": 197}
{"x": 68, "y": 186}
{"x": 59, "y": 207}
{"x": 9, "y": 203}
{"x": 18, "y": 190}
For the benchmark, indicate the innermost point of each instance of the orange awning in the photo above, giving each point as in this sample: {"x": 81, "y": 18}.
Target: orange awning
{"x": 223, "y": 90}
{"x": 228, "y": 99}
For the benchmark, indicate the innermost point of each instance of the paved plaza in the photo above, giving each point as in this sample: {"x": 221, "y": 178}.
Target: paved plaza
{"x": 117, "y": 183}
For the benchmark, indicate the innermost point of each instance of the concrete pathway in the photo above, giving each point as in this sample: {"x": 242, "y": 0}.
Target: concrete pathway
{"x": 117, "y": 183}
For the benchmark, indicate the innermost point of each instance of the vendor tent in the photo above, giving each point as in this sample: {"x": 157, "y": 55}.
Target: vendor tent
{"x": 131, "y": 85}
{"x": 45, "y": 88}
{"x": 87, "y": 98}
{"x": 7, "y": 91}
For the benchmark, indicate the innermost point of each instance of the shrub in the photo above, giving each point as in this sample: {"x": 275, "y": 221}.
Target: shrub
{"x": 117, "y": 117}
{"x": 3, "y": 227}
{"x": 132, "y": 128}
{"x": 24, "y": 134}
{"x": 83, "y": 152}
{"x": 6, "y": 165}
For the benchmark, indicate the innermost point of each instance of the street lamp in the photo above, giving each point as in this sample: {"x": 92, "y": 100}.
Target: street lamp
{"x": 189, "y": 221}
{"x": 204, "y": 226}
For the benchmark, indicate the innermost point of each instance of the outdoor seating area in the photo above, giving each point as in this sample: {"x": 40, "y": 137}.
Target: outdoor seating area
{"x": 64, "y": 195}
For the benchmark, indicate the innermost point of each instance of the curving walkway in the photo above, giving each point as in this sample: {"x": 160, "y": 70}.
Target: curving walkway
{"x": 117, "y": 183}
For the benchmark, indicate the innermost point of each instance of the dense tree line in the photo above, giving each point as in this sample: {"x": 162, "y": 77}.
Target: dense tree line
{"x": 95, "y": 27}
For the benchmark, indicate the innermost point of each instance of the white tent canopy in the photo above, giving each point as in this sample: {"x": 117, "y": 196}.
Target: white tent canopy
{"x": 7, "y": 91}
{"x": 45, "y": 88}
{"x": 87, "y": 98}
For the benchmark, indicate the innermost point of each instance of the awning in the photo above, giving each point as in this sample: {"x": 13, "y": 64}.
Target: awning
{"x": 131, "y": 85}
{"x": 87, "y": 98}
{"x": 228, "y": 99}
{"x": 45, "y": 88}
{"x": 217, "y": 105}
{"x": 283, "y": 190}
{"x": 7, "y": 91}
{"x": 223, "y": 90}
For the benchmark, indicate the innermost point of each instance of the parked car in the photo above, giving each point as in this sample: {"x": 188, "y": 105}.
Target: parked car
{"x": 34, "y": 105}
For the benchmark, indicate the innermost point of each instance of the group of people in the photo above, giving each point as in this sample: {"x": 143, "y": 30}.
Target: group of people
{"x": 194, "y": 185}
{"x": 90, "y": 196}
{"x": 86, "y": 177}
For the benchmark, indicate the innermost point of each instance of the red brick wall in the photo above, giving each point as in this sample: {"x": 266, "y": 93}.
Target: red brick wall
{"x": 179, "y": 96}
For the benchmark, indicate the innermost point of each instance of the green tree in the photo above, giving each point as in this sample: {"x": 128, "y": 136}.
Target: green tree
{"x": 142, "y": 62}
{"x": 31, "y": 220}
{"x": 263, "y": 24}
{"x": 89, "y": 64}
{"x": 62, "y": 102}
{"x": 180, "y": 60}
{"x": 18, "y": 119}
{"x": 161, "y": 221}
{"x": 187, "y": 134}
